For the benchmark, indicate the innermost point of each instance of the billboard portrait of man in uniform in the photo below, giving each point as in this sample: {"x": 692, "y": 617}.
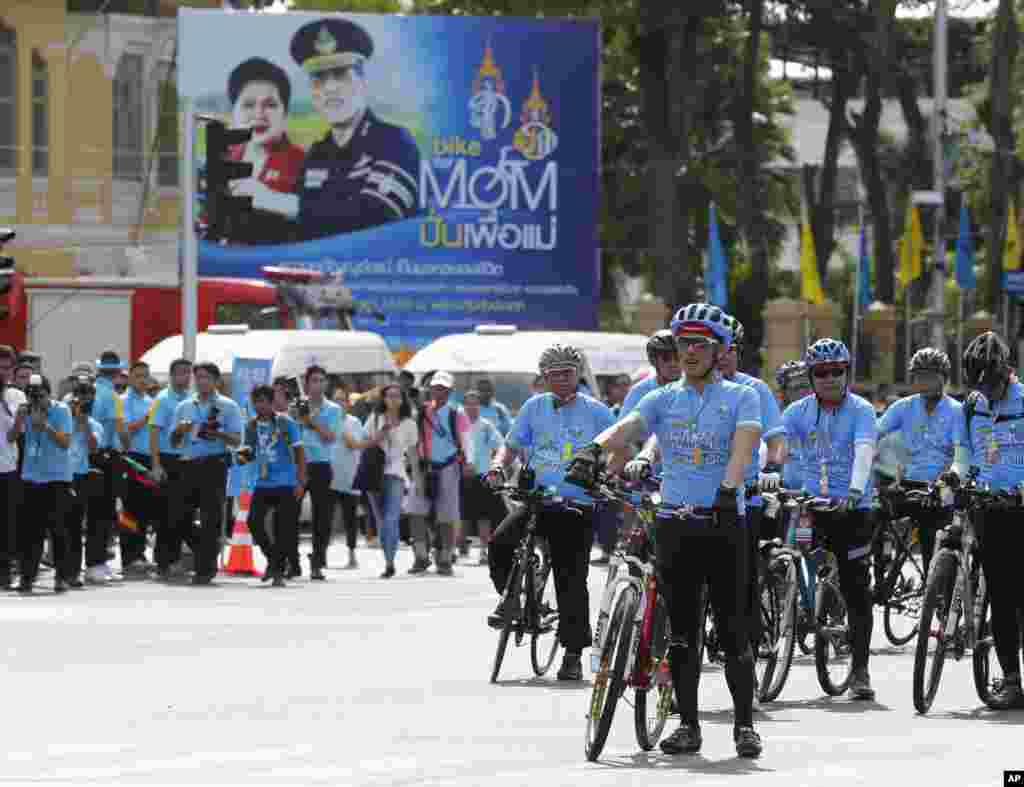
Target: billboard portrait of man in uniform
{"x": 364, "y": 172}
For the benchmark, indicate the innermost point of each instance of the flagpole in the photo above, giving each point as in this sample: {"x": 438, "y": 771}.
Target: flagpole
{"x": 856, "y": 297}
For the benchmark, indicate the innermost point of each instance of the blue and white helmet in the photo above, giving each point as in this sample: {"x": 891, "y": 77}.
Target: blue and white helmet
{"x": 826, "y": 351}
{"x": 702, "y": 318}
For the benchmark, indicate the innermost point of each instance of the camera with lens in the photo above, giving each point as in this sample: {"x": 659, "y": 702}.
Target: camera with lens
{"x": 527, "y": 479}
{"x": 83, "y": 394}
{"x": 35, "y": 393}
{"x": 302, "y": 407}
{"x": 211, "y": 424}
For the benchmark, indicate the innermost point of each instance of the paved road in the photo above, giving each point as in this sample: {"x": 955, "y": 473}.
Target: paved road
{"x": 361, "y": 681}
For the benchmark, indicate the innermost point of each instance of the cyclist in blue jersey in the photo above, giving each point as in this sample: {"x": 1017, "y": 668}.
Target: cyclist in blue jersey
{"x": 663, "y": 356}
{"x": 794, "y": 384}
{"x": 550, "y": 428}
{"x": 931, "y": 425}
{"x": 707, "y": 430}
{"x": 835, "y": 431}
{"x": 995, "y": 436}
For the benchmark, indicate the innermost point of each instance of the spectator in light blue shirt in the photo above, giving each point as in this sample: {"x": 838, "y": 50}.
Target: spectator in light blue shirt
{"x": 491, "y": 409}
{"x": 344, "y": 463}
{"x": 480, "y": 505}
{"x": 320, "y": 419}
{"x": 46, "y": 491}
{"x": 136, "y": 406}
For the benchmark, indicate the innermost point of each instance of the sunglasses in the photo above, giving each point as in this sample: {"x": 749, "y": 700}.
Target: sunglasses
{"x": 693, "y": 342}
{"x": 821, "y": 374}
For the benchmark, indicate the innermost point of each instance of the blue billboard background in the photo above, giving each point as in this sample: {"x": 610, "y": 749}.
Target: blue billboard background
{"x": 505, "y": 117}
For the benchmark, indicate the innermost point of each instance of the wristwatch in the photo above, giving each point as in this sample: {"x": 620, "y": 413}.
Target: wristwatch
{"x": 727, "y": 485}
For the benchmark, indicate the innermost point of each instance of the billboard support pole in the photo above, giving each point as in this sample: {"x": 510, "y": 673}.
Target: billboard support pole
{"x": 190, "y": 252}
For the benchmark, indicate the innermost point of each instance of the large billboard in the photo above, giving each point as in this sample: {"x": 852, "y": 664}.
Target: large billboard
{"x": 447, "y": 167}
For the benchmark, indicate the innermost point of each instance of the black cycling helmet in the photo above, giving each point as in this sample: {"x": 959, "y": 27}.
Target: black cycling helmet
{"x": 660, "y": 342}
{"x": 986, "y": 361}
{"x": 929, "y": 359}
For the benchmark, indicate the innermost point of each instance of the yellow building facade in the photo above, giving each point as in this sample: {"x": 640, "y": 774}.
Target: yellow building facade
{"x": 89, "y": 169}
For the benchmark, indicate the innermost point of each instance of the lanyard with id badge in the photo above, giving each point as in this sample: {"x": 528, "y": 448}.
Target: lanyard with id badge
{"x": 824, "y": 451}
{"x": 690, "y": 426}
{"x": 266, "y": 440}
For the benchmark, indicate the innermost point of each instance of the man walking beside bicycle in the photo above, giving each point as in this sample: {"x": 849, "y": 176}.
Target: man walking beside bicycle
{"x": 707, "y": 430}
{"x": 835, "y": 432}
{"x": 931, "y": 424}
{"x": 549, "y": 430}
{"x": 994, "y": 428}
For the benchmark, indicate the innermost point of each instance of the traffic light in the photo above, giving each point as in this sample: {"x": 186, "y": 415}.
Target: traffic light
{"x": 224, "y": 212}
{"x": 6, "y": 263}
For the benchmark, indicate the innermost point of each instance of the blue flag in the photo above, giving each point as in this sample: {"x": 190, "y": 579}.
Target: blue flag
{"x": 716, "y": 278}
{"x": 867, "y": 296}
{"x": 965, "y": 278}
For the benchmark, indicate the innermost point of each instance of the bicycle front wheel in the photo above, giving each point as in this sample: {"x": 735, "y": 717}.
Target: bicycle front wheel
{"x": 778, "y": 629}
{"x": 652, "y": 705}
{"x": 938, "y": 624}
{"x": 833, "y": 650}
{"x": 544, "y": 636}
{"x": 610, "y": 680}
{"x": 513, "y": 587}
{"x": 906, "y": 584}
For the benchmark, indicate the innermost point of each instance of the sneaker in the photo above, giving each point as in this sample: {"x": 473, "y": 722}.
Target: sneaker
{"x": 1008, "y": 694}
{"x": 110, "y": 575}
{"x": 352, "y": 562}
{"x": 685, "y": 740}
{"x": 572, "y": 667}
{"x": 445, "y": 570}
{"x": 419, "y": 566}
{"x": 389, "y": 571}
{"x": 95, "y": 575}
{"x": 496, "y": 620}
{"x": 860, "y": 686}
{"x": 138, "y": 567}
{"x": 60, "y": 586}
{"x": 748, "y": 742}
{"x": 75, "y": 583}
{"x": 267, "y": 575}
{"x": 294, "y": 572}
{"x": 25, "y": 588}
{"x": 317, "y": 574}
{"x": 464, "y": 549}
{"x": 279, "y": 581}
{"x": 202, "y": 579}
{"x": 485, "y": 559}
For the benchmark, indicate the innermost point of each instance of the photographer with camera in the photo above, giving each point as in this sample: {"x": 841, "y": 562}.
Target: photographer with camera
{"x": 46, "y": 479}
{"x": 206, "y": 427}
{"x": 273, "y": 442}
{"x": 87, "y": 483}
{"x": 320, "y": 419}
{"x": 136, "y": 499}
{"x": 168, "y": 470}
{"x": 11, "y": 399}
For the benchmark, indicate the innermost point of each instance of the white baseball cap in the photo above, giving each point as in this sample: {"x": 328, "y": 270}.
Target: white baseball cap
{"x": 444, "y": 379}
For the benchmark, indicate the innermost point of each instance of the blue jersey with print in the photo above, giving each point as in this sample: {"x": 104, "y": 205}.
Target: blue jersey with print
{"x": 636, "y": 393}
{"x": 793, "y": 470}
{"x": 228, "y": 416}
{"x": 996, "y": 437}
{"x": 329, "y": 418}
{"x": 930, "y": 439}
{"x": 78, "y": 453}
{"x": 163, "y": 416}
{"x": 484, "y": 440}
{"x": 107, "y": 408}
{"x": 271, "y": 443}
{"x": 134, "y": 407}
{"x": 826, "y": 438}
{"x": 695, "y": 433}
{"x": 551, "y": 436}
{"x": 771, "y": 418}
{"x": 45, "y": 461}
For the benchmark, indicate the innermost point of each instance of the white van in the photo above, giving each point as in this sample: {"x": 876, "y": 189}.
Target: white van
{"x": 357, "y": 357}
{"x": 509, "y": 357}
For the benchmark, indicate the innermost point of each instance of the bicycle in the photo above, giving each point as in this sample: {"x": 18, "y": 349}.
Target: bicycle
{"x": 955, "y": 600}
{"x": 528, "y": 583}
{"x": 901, "y": 588}
{"x": 630, "y": 643}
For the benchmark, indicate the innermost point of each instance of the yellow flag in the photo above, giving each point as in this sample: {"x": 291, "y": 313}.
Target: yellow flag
{"x": 810, "y": 282}
{"x": 1011, "y": 254}
{"x": 911, "y": 247}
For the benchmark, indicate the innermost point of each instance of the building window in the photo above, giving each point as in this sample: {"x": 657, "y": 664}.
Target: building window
{"x": 40, "y": 116}
{"x": 128, "y": 118}
{"x": 167, "y": 129}
{"x": 8, "y": 82}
